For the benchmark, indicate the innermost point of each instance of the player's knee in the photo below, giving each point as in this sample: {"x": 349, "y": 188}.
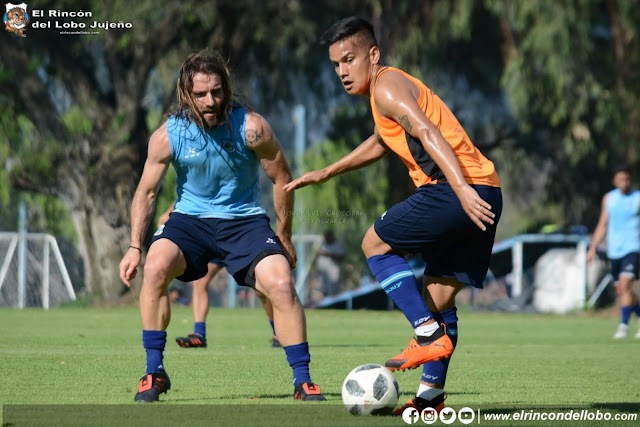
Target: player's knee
{"x": 372, "y": 244}
{"x": 262, "y": 296}
{"x": 280, "y": 289}
{"x": 623, "y": 288}
{"x": 364, "y": 245}
{"x": 156, "y": 272}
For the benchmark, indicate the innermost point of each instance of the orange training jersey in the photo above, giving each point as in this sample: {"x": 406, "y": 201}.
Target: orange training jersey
{"x": 476, "y": 168}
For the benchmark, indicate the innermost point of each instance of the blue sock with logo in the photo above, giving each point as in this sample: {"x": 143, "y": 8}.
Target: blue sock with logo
{"x": 299, "y": 358}
{"x": 397, "y": 279}
{"x": 200, "y": 328}
{"x": 153, "y": 342}
{"x": 436, "y": 372}
{"x": 625, "y": 314}
{"x": 273, "y": 327}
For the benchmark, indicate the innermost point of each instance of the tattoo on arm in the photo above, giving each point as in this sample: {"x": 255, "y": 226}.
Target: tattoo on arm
{"x": 252, "y": 136}
{"x": 405, "y": 123}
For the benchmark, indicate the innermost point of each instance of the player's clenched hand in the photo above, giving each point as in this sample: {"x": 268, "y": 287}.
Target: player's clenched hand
{"x": 478, "y": 210}
{"x": 309, "y": 178}
{"x": 129, "y": 265}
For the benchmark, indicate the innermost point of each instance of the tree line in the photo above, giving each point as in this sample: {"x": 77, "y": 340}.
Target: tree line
{"x": 548, "y": 90}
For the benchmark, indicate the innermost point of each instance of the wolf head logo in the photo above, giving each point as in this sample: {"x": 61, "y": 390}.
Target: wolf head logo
{"x": 16, "y": 19}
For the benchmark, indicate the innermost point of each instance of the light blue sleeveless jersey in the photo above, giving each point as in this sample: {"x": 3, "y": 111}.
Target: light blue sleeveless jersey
{"x": 217, "y": 175}
{"x": 623, "y": 226}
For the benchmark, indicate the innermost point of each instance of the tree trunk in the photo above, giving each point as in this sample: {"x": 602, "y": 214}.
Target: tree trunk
{"x": 101, "y": 248}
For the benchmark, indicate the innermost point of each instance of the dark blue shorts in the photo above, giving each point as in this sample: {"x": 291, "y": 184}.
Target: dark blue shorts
{"x": 625, "y": 266}
{"x": 237, "y": 244}
{"x": 432, "y": 222}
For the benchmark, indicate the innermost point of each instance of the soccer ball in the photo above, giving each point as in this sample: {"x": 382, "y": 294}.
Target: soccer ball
{"x": 370, "y": 389}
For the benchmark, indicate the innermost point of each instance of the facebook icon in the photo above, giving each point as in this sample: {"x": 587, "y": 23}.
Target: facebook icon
{"x": 410, "y": 415}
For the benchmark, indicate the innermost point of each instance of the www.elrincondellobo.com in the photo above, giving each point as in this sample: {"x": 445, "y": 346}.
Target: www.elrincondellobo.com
{"x": 468, "y": 415}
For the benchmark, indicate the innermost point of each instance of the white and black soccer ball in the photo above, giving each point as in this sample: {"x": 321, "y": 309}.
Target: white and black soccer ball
{"x": 370, "y": 389}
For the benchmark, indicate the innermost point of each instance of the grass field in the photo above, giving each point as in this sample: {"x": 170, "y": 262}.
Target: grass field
{"x": 93, "y": 358}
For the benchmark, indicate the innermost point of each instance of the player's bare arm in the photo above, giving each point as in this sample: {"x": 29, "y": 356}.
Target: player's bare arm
{"x": 156, "y": 165}
{"x": 261, "y": 139}
{"x": 600, "y": 231}
{"x": 396, "y": 98}
{"x": 369, "y": 151}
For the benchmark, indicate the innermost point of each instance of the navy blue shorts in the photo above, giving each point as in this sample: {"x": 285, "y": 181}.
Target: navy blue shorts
{"x": 432, "y": 222}
{"x": 625, "y": 266}
{"x": 237, "y": 244}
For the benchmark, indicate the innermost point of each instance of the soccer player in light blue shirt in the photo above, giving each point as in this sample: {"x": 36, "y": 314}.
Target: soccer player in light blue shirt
{"x": 217, "y": 147}
{"x": 620, "y": 222}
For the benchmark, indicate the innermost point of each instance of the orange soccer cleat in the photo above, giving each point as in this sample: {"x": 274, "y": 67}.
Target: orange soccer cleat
{"x": 422, "y": 350}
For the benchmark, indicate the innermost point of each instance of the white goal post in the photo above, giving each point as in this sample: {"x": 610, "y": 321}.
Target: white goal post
{"x": 29, "y": 274}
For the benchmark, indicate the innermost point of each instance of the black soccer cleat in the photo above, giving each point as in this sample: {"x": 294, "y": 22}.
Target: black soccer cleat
{"x": 308, "y": 391}
{"x": 151, "y": 386}
{"x": 275, "y": 343}
{"x": 192, "y": 340}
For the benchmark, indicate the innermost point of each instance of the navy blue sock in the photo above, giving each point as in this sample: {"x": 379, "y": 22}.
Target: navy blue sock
{"x": 298, "y": 357}
{"x": 200, "y": 328}
{"x": 273, "y": 327}
{"x": 436, "y": 372}
{"x": 153, "y": 342}
{"x": 397, "y": 279}
{"x": 626, "y": 314}
{"x": 636, "y": 309}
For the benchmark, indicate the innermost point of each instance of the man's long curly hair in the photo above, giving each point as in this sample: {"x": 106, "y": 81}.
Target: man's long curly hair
{"x": 207, "y": 62}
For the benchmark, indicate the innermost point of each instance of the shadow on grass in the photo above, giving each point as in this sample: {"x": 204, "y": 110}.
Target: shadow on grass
{"x": 617, "y": 406}
{"x": 312, "y": 346}
{"x": 462, "y": 393}
{"x": 246, "y": 398}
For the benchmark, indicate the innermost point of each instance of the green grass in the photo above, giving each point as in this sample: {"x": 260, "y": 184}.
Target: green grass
{"x": 86, "y": 357}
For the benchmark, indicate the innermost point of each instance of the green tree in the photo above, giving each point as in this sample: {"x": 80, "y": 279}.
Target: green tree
{"x": 546, "y": 89}
{"x": 570, "y": 76}
{"x": 86, "y": 102}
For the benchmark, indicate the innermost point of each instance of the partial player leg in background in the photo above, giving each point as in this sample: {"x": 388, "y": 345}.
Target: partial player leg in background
{"x": 628, "y": 303}
{"x": 625, "y": 270}
{"x": 200, "y": 305}
{"x": 268, "y": 308}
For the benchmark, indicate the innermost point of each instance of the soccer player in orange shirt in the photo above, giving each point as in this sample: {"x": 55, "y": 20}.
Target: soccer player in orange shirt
{"x": 450, "y": 219}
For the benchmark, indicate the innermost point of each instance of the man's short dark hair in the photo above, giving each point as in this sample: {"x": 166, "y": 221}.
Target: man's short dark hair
{"x": 622, "y": 169}
{"x": 348, "y": 27}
